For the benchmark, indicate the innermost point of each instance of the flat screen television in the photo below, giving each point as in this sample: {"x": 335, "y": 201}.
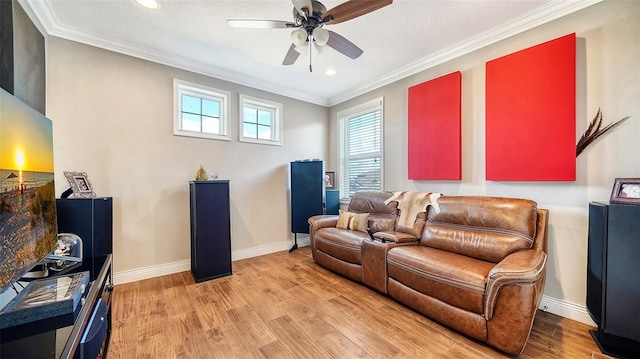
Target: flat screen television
{"x": 28, "y": 226}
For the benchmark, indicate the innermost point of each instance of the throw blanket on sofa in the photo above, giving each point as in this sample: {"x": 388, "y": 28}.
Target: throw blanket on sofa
{"x": 412, "y": 203}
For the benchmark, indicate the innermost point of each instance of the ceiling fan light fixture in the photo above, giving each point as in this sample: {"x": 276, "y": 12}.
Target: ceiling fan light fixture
{"x": 299, "y": 37}
{"x": 302, "y": 49}
{"x": 149, "y": 4}
{"x": 320, "y": 36}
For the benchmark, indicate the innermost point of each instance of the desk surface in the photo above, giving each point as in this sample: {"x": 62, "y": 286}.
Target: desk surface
{"x": 56, "y": 337}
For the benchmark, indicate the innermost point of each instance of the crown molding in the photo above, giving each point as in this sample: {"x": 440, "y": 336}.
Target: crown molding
{"x": 43, "y": 14}
{"x": 44, "y": 17}
{"x": 551, "y": 11}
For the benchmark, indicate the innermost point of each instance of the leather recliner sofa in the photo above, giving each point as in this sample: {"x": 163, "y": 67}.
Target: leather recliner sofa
{"x": 476, "y": 264}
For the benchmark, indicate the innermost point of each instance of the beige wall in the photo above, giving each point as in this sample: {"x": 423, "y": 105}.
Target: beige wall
{"x": 112, "y": 118}
{"x": 608, "y": 78}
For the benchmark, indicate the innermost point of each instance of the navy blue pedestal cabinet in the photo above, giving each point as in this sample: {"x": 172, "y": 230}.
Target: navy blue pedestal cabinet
{"x": 332, "y": 201}
{"x": 210, "y": 229}
{"x": 613, "y": 277}
{"x": 92, "y": 220}
{"x": 307, "y": 195}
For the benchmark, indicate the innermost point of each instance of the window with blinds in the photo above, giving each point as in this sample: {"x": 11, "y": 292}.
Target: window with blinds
{"x": 360, "y": 148}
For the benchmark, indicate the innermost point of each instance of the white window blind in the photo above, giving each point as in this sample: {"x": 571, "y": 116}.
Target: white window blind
{"x": 360, "y": 149}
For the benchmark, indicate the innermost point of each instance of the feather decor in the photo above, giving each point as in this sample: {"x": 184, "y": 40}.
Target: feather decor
{"x": 594, "y": 131}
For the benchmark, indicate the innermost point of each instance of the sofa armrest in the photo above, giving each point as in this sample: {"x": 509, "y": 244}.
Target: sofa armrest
{"x": 323, "y": 221}
{"x": 522, "y": 267}
{"x": 397, "y": 237}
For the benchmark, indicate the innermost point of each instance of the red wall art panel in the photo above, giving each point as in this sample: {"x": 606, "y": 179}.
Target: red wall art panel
{"x": 434, "y": 129}
{"x": 530, "y": 113}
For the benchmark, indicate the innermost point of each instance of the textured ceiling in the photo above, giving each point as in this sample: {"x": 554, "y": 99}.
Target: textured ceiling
{"x": 398, "y": 40}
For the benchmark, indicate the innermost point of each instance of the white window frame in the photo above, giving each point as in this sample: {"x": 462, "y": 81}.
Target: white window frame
{"x": 277, "y": 125}
{"x": 196, "y": 90}
{"x": 343, "y": 168}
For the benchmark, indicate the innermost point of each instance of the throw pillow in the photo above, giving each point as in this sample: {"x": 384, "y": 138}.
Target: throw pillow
{"x": 354, "y": 221}
{"x": 343, "y": 219}
{"x": 359, "y": 222}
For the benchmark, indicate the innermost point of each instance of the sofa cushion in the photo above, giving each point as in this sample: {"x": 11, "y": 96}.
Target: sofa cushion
{"x": 418, "y": 226}
{"x": 379, "y": 223}
{"x": 486, "y": 228}
{"x": 451, "y": 278}
{"x": 355, "y": 221}
{"x": 373, "y": 202}
{"x": 343, "y": 244}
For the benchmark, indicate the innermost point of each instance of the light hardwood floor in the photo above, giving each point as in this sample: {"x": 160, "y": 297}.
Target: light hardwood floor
{"x": 286, "y": 306}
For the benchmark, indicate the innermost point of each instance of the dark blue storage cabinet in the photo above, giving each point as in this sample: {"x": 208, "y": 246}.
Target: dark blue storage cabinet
{"x": 307, "y": 194}
{"x": 210, "y": 229}
{"x": 92, "y": 220}
{"x": 332, "y": 201}
{"x": 613, "y": 280}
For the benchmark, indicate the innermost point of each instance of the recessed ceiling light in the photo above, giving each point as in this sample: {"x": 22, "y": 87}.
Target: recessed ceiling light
{"x": 330, "y": 72}
{"x": 149, "y": 4}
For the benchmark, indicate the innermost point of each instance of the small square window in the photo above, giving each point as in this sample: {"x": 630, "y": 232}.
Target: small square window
{"x": 199, "y": 111}
{"x": 261, "y": 121}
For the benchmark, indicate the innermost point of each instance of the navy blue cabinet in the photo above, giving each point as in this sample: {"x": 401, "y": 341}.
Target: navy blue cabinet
{"x": 92, "y": 220}
{"x": 613, "y": 280}
{"x": 333, "y": 201}
{"x": 307, "y": 193}
{"x": 210, "y": 229}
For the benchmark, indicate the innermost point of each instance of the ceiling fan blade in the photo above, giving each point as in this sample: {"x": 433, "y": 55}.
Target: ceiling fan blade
{"x": 291, "y": 56}
{"x": 260, "y": 24}
{"x": 352, "y": 9}
{"x": 303, "y": 4}
{"x": 343, "y": 46}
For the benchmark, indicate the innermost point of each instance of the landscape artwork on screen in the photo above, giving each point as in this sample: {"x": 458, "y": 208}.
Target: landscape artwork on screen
{"x": 28, "y": 226}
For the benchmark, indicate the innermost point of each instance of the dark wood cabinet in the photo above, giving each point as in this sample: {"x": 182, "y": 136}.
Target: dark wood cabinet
{"x": 210, "y": 229}
{"x": 613, "y": 281}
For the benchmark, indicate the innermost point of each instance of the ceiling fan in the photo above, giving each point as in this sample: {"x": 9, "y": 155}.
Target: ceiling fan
{"x": 309, "y": 18}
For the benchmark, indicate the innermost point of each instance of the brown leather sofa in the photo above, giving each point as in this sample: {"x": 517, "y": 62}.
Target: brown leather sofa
{"x": 475, "y": 264}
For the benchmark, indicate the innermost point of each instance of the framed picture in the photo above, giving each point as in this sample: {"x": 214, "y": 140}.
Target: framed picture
{"x": 626, "y": 191}
{"x": 80, "y": 184}
{"x": 330, "y": 180}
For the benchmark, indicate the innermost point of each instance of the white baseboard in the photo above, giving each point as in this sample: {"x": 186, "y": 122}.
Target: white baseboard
{"x": 566, "y": 309}
{"x": 150, "y": 272}
{"x": 267, "y": 249}
{"x": 548, "y": 304}
{"x": 185, "y": 265}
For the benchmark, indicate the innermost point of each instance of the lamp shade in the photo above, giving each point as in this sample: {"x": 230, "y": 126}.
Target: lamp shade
{"x": 299, "y": 37}
{"x": 302, "y": 49}
{"x": 321, "y": 36}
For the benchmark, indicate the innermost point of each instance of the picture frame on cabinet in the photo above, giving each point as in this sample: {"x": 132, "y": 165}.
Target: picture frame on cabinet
{"x": 80, "y": 184}
{"x": 626, "y": 191}
{"x": 330, "y": 180}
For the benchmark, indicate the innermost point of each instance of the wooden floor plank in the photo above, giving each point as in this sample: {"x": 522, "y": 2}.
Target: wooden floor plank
{"x": 284, "y": 305}
{"x": 339, "y": 346}
{"x": 124, "y": 339}
{"x": 301, "y": 345}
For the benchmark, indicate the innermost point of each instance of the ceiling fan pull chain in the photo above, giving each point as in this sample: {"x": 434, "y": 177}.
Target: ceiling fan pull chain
{"x": 310, "y": 51}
